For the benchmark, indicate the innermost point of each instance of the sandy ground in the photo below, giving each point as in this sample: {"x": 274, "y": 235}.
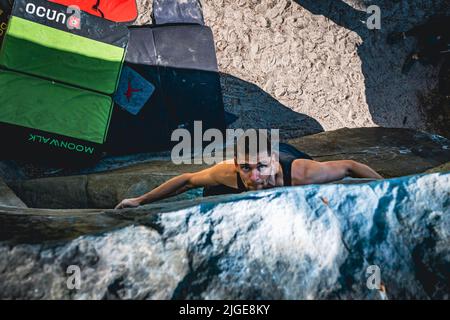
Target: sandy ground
{"x": 306, "y": 66}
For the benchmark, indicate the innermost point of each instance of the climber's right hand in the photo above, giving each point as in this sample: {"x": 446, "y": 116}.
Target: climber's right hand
{"x": 128, "y": 203}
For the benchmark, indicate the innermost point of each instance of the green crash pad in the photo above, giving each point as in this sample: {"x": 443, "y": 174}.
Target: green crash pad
{"x": 44, "y": 51}
{"x": 53, "y": 107}
{"x": 48, "y": 40}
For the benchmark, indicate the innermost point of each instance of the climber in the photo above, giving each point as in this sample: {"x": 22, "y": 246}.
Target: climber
{"x": 265, "y": 169}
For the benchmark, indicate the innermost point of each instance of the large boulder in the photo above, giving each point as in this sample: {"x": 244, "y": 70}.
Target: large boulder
{"x": 310, "y": 242}
{"x": 442, "y": 168}
{"x": 8, "y": 197}
{"x": 10, "y": 170}
{"x": 100, "y": 190}
{"x": 392, "y": 152}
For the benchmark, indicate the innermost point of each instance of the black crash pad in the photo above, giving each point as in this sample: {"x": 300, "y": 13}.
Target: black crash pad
{"x": 170, "y": 80}
{"x": 177, "y": 11}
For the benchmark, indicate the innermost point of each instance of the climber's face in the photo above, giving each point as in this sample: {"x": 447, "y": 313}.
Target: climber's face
{"x": 255, "y": 172}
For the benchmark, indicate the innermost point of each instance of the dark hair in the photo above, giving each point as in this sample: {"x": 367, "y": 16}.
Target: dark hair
{"x": 244, "y": 143}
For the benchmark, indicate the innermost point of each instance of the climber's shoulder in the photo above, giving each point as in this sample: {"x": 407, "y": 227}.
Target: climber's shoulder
{"x": 218, "y": 174}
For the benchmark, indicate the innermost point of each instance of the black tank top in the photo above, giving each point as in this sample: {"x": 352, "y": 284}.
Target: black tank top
{"x": 287, "y": 153}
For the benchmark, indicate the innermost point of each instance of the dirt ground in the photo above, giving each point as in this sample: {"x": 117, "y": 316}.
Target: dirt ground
{"x": 306, "y": 66}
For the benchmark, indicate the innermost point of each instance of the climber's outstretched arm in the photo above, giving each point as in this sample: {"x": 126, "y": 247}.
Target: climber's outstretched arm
{"x": 311, "y": 172}
{"x": 174, "y": 186}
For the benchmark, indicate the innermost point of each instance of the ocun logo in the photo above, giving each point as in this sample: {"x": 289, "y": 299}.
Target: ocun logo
{"x": 72, "y": 19}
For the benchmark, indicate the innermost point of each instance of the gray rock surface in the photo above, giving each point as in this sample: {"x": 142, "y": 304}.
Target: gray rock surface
{"x": 10, "y": 170}
{"x": 8, "y": 197}
{"x": 393, "y": 152}
{"x": 100, "y": 190}
{"x": 442, "y": 168}
{"x": 312, "y": 242}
